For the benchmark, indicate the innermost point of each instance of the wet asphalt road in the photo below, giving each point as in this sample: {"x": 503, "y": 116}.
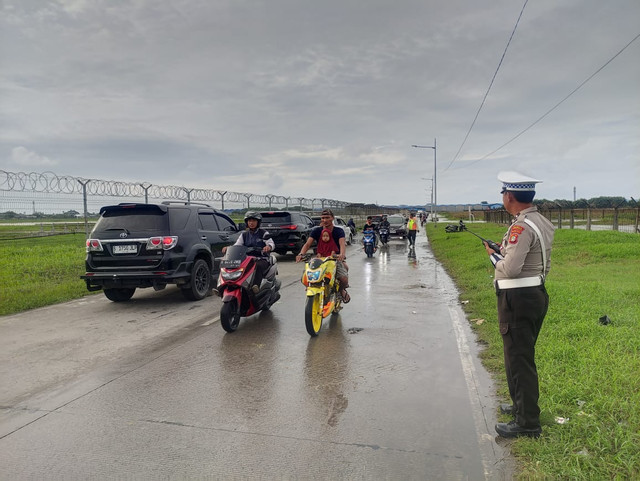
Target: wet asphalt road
{"x": 390, "y": 389}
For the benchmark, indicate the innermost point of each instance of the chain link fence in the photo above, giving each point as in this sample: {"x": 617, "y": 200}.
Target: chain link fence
{"x": 45, "y": 195}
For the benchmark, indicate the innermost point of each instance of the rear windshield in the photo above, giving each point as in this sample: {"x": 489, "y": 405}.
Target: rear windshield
{"x": 277, "y": 218}
{"x": 138, "y": 219}
{"x": 395, "y": 219}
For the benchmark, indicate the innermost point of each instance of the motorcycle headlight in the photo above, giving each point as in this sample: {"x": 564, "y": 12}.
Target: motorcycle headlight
{"x": 231, "y": 275}
{"x": 313, "y": 276}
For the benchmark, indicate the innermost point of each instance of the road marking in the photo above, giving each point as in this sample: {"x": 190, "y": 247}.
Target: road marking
{"x": 485, "y": 441}
{"x": 208, "y": 323}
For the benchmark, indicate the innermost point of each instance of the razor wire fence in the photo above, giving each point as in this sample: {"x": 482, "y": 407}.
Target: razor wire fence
{"x": 46, "y": 195}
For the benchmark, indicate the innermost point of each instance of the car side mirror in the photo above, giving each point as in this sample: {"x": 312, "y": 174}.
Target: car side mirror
{"x": 241, "y": 226}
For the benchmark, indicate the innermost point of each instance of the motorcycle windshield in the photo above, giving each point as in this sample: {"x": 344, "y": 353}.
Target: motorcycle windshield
{"x": 233, "y": 257}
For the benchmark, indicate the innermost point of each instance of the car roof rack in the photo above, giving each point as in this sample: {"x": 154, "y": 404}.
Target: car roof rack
{"x": 182, "y": 202}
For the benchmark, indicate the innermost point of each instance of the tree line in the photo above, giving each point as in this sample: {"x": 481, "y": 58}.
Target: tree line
{"x": 602, "y": 202}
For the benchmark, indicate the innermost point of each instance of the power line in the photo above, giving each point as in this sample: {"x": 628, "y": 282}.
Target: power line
{"x": 558, "y": 104}
{"x": 490, "y": 85}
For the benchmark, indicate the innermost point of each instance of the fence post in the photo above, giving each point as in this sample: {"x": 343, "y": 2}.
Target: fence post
{"x": 145, "y": 186}
{"x": 571, "y": 219}
{"x": 84, "y": 201}
{"x": 588, "y": 218}
{"x": 615, "y": 218}
{"x": 559, "y": 217}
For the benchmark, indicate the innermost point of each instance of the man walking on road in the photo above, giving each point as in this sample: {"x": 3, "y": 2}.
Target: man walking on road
{"x": 521, "y": 267}
{"x": 412, "y": 229}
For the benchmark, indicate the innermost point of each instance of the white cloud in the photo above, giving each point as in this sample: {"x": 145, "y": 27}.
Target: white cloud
{"x": 21, "y": 157}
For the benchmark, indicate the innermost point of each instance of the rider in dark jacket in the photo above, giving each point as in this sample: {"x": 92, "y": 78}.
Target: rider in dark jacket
{"x": 254, "y": 236}
{"x": 370, "y": 226}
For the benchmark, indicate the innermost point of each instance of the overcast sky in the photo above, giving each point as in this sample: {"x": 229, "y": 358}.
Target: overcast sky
{"x": 324, "y": 98}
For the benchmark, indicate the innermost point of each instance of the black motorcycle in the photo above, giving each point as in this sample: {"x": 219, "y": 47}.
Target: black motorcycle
{"x": 383, "y": 232}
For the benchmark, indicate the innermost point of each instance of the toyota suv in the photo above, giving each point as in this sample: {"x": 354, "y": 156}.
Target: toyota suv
{"x": 151, "y": 245}
{"x": 289, "y": 230}
{"x": 397, "y": 225}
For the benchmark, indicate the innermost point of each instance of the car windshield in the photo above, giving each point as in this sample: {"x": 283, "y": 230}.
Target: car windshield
{"x": 395, "y": 219}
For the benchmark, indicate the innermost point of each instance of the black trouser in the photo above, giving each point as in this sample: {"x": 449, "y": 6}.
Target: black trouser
{"x": 262, "y": 265}
{"x": 411, "y": 235}
{"x": 520, "y": 314}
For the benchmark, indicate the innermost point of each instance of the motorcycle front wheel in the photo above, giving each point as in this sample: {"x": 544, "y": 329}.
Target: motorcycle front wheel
{"x": 369, "y": 250}
{"x": 313, "y": 315}
{"x": 230, "y": 316}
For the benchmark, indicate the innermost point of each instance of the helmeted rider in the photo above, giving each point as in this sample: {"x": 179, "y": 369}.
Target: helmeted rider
{"x": 369, "y": 226}
{"x": 384, "y": 223}
{"x": 254, "y": 236}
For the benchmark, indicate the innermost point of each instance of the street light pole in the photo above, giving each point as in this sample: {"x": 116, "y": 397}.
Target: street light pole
{"x": 431, "y": 201}
{"x": 435, "y": 175}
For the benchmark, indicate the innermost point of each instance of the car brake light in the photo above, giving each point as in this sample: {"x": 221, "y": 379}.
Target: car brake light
{"x": 289, "y": 227}
{"x": 94, "y": 245}
{"x": 166, "y": 243}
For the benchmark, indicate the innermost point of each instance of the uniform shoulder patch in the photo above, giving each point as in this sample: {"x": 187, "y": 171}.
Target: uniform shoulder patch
{"x": 517, "y": 229}
{"x": 513, "y": 238}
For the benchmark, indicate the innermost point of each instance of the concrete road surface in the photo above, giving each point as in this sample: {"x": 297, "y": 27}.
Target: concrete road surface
{"x": 154, "y": 388}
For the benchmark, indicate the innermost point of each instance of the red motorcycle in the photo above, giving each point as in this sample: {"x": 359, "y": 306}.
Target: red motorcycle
{"x": 237, "y": 273}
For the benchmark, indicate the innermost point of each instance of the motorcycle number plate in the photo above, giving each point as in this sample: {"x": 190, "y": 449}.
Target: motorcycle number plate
{"x": 230, "y": 264}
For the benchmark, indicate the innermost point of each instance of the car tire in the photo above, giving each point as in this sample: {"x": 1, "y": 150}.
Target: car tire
{"x": 302, "y": 242}
{"x": 200, "y": 281}
{"x": 350, "y": 240}
{"x": 119, "y": 294}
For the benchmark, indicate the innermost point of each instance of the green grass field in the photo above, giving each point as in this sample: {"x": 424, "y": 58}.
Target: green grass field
{"x": 41, "y": 271}
{"x": 589, "y": 372}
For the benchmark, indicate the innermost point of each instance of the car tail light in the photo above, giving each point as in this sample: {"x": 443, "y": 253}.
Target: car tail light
{"x": 94, "y": 245}
{"x": 166, "y": 242}
{"x": 289, "y": 227}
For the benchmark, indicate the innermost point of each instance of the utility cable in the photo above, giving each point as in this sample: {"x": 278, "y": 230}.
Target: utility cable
{"x": 558, "y": 104}
{"x": 490, "y": 85}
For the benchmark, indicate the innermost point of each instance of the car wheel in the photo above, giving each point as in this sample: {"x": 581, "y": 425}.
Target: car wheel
{"x": 200, "y": 281}
{"x": 119, "y": 294}
{"x": 350, "y": 240}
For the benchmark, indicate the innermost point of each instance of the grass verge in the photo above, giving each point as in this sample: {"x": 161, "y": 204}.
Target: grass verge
{"x": 41, "y": 271}
{"x": 589, "y": 372}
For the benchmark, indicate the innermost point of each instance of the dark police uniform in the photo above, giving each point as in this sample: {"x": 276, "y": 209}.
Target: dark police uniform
{"x": 521, "y": 269}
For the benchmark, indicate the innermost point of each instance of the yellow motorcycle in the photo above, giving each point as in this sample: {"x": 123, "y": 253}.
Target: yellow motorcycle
{"x": 323, "y": 290}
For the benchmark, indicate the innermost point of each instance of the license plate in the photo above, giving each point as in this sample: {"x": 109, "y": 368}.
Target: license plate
{"x": 125, "y": 249}
{"x": 230, "y": 263}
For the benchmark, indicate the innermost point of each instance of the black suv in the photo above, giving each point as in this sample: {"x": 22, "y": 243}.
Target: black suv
{"x": 289, "y": 230}
{"x": 397, "y": 225}
{"x": 152, "y": 245}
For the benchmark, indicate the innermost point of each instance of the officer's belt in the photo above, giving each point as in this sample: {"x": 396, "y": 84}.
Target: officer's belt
{"x": 515, "y": 283}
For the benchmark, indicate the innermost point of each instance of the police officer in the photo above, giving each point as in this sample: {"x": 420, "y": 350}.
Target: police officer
{"x": 521, "y": 267}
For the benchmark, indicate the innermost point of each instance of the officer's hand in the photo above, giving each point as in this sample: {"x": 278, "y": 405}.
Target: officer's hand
{"x": 489, "y": 249}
